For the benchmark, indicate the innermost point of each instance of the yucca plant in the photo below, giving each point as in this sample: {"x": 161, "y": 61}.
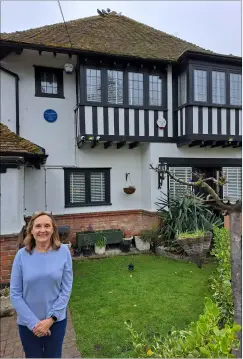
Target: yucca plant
{"x": 184, "y": 214}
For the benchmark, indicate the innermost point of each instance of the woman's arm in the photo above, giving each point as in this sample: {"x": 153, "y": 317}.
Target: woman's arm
{"x": 66, "y": 286}
{"x": 16, "y": 294}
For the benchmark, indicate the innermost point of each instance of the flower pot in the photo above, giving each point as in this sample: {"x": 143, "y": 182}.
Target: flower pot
{"x": 129, "y": 190}
{"x": 125, "y": 244}
{"x": 141, "y": 245}
{"x": 99, "y": 250}
{"x": 6, "y": 308}
{"x": 87, "y": 252}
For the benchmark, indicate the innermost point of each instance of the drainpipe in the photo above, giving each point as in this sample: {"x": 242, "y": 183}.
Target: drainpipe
{"x": 17, "y": 95}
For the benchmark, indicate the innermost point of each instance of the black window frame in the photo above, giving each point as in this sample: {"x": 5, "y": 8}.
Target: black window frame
{"x": 87, "y": 171}
{"x": 104, "y": 86}
{"x": 59, "y": 75}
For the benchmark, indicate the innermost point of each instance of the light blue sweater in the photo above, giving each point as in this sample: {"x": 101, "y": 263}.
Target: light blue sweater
{"x": 41, "y": 285}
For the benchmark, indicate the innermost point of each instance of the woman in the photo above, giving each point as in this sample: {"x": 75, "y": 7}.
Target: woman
{"x": 40, "y": 287}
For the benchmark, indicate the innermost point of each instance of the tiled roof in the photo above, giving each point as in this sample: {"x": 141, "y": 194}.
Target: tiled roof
{"x": 109, "y": 34}
{"x": 10, "y": 142}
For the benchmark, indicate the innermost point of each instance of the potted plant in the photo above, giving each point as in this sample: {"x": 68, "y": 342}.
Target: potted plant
{"x": 87, "y": 249}
{"x": 100, "y": 245}
{"x": 129, "y": 189}
{"x": 6, "y": 308}
{"x": 143, "y": 241}
{"x": 76, "y": 250}
{"x": 126, "y": 242}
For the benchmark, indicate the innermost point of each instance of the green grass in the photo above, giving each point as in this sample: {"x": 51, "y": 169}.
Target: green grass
{"x": 158, "y": 294}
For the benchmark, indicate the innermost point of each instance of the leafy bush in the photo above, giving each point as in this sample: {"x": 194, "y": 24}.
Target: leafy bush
{"x": 202, "y": 339}
{"x": 184, "y": 214}
{"x": 220, "y": 280}
{"x": 101, "y": 241}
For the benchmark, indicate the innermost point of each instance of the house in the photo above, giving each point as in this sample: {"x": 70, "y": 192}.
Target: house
{"x": 97, "y": 105}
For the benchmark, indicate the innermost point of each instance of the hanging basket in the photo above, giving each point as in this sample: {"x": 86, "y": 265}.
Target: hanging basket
{"x": 129, "y": 190}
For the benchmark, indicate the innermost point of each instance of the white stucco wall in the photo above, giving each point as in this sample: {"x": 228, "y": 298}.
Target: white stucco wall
{"x": 7, "y": 100}
{"x": 12, "y": 201}
{"x": 57, "y": 138}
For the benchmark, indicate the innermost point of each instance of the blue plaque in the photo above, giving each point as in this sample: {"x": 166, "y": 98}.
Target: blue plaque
{"x": 50, "y": 115}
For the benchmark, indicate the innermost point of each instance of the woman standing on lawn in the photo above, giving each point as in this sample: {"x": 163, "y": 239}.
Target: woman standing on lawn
{"x": 40, "y": 288}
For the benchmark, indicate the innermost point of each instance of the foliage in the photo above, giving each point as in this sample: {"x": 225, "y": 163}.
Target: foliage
{"x": 101, "y": 241}
{"x": 184, "y": 214}
{"x": 220, "y": 281}
{"x": 195, "y": 234}
{"x": 5, "y": 292}
{"x": 86, "y": 242}
{"x": 202, "y": 339}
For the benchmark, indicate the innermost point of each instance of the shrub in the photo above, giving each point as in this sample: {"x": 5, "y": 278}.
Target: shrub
{"x": 202, "y": 339}
{"x": 220, "y": 281}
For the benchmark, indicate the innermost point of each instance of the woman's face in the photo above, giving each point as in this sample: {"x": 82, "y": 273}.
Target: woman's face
{"x": 42, "y": 229}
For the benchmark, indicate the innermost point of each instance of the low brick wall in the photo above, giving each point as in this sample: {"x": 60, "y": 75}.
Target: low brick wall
{"x": 9, "y": 245}
{"x": 131, "y": 221}
{"x": 227, "y": 222}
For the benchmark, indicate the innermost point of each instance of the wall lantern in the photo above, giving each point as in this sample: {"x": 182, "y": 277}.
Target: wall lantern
{"x": 68, "y": 68}
{"x": 162, "y": 168}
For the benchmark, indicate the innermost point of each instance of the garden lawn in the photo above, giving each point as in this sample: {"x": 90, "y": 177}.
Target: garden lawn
{"x": 160, "y": 293}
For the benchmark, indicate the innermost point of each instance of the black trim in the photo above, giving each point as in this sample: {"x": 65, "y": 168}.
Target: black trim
{"x": 237, "y": 121}
{"x": 210, "y": 121}
{"x": 136, "y": 122}
{"x": 201, "y": 162}
{"x": 126, "y": 122}
{"x": 189, "y": 120}
{"x": 116, "y": 121}
{"x": 146, "y": 123}
{"x": 200, "y": 120}
{"x": 106, "y": 123}
{"x": 219, "y": 130}
{"x": 228, "y": 122}
{"x": 156, "y": 129}
{"x": 16, "y": 94}
{"x": 113, "y": 138}
{"x": 86, "y": 171}
{"x": 209, "y": 140}
{"x": 52, "y": 70}
{"x": 94, "y": 120}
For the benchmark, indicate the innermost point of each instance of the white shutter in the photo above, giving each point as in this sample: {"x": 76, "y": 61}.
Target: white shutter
{"x": 178, "y": 189}
{"x": 97, "y": 186}
{"x": 233, "y": 188}
{"x": 77, "y": 187}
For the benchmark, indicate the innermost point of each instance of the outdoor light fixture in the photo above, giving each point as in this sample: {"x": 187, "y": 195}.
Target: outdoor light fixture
{"x": 162, "y": 167}
{"x": 68, "y": 68}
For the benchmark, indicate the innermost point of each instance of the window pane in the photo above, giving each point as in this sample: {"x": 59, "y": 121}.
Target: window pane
{"x": 233, "y": 187}
{"x": 97, "y": 186}
{"x": 93, "y": 80}
{"x": 235, "y": 89}
{"x": 155, "y": 91}
{"x": 115, "y": 86}
{"x": 135, "y": 88}
{"x": 200, "y": 85}
{"x": 218, "y": 87}
{"x": 77, "y": 187}
{"x": 182, "y": 88}
{"x": 177, "y": 189}
{"x": 48, "y": 82}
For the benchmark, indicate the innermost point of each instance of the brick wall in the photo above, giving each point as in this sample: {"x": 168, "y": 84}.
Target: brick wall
{"x": 227, "y": 222}
{"x": 131, "y": 221}
{"x": 9, "y": 245}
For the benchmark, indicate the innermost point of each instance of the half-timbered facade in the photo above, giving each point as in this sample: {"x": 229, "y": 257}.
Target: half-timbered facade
{"x": 119, "y": 97}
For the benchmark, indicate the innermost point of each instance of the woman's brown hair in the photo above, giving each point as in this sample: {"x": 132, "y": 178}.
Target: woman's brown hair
{"x": 29, "y": 240}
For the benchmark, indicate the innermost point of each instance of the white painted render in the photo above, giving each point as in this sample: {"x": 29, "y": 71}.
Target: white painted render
{"x": 44, "y": 189}
{"x": 12, "y": 201}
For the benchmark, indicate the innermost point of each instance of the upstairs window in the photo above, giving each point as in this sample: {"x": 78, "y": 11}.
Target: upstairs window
{"x": 182, "y": 89}
{"x": 87, "y": 187}
{"x": 235, "y": 89}
{"x": 218, "y": 87}
{"x": 115, "y": 86}
{"x": 200, "y": 85}
{"x": 135, "y": 88}
{"x": 155, "y": 91}
{"x": 48, "y": 82}
{"x": 93, "y": 80}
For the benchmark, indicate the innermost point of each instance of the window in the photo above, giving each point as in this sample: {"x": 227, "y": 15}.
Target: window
{"x": 115, "y": 86}
{"x": 155, "y": 90}
{"x": 182, "y": 89}
{"x": 200, "y": 85}
{"x": 48, "y": 82}
{"x": 233, "y": 188}
{"x": 178, "y": 189}
{"x": 93, "y": 79}
{"x": 87, "y": 187}
{"x": 218, "y": 87}
{"x": 235, "y": 89}
{"x": 135, "y": 88}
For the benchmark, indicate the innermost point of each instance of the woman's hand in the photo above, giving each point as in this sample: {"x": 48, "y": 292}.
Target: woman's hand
{"x": 43, "y": 327}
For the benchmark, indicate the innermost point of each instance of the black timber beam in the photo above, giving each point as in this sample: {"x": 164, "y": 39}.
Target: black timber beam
{"x": 120, "y": 144}
{"x": 133, "y": 145}
{"x": 107, "y": 144}
{"x": 195, "y": 143}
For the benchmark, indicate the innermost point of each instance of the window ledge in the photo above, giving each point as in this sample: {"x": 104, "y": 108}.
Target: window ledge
{"x": 49, "y": 95}
{"x": 87, "y": 205}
